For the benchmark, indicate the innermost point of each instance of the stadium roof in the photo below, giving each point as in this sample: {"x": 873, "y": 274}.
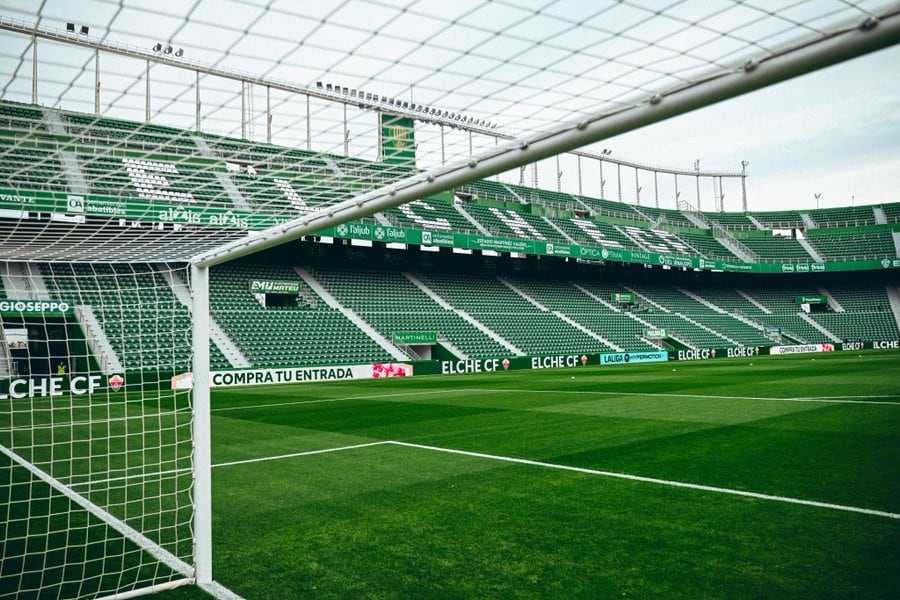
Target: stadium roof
{"x": 490, "y": 67}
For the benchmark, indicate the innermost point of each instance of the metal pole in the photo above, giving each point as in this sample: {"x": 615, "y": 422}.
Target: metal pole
{"x": 268, "y": 114}
{"x": 308, "y": 126}
{"x": 470, "y": 143}
{"x": 147, "y": 95}
{"x": 677, "y": 194}
{"x": 197, "y": 101}
{"x": 721, "y": 196}
{"x": 201, "y": 426}
{"x": 697, "y": 168}
{"x": 744, "y": 164}
{"x": 243, "y": 110}
{"x": 558, "y": 176}
{"x": 579, "y": 177}
{"x": 637, "y": 187}
{"x": 346, "y": 133}
{"x": 443, "y": 148}
{"x": 619, "y": 178}
{"x": 602, "y": 181}
{"x": 34, "y": 74}
{"x": 656, "y": 187}
{"x": 97, "y": 81}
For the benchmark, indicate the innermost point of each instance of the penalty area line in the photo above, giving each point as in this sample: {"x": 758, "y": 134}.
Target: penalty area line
{"x": 296, "y": 454}
{"x": 584, "y": 470}
{"x": 653, "y": 480}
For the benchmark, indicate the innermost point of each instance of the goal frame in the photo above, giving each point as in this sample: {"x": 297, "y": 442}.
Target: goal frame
{"x": 845, "y": 44}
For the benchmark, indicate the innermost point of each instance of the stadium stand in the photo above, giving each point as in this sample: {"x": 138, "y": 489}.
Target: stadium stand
{"x": 777, "y": 248}
{"x": 308, "y": 332}
{"x": 856, "y": 246}
{"x": 134, "y": 302}
{"x": 735, "y": 221}
{"x": 850, "y": 216}
{"x": 390, "y": 302}
{"x": 114, "y": 155}
{"x": 788, "y": 219}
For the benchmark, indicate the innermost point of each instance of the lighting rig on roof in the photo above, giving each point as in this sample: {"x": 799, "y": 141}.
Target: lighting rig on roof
{"x": 369, "y": 100}
{"x": 84, "y": 29}
{"x": 168, "y": 49}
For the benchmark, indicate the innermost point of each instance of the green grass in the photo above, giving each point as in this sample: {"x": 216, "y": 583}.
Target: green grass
{"x": 397, "y": 522}
{"x": 391, "y": 521}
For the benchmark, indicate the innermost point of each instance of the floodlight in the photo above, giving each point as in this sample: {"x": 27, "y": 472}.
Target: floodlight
{"x": 319, "y": 85}
{"x": 179, "y": 53}
{"x": 70, "y": 27}
{"x": 168, "y": 50}
{"x": 157, "y": 47}
{"x": 84, "y": 29}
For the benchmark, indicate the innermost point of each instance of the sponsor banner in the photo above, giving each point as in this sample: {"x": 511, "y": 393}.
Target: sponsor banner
{"x": 523, "y": 246}
{"x": 557, "y": 249}
{"x": 622, "y": 358}
{"x": 36, "y": 308}
{"x": 622, "y": 298}
{"x": 396, "y": 235}
{"x": 492, "y": 365}
{"x": 701, "y": 354}
{"x": 801, "y": 349}
{"x": 398, "y": 140}
{"x": 300, "y": 375}
{"x": 654, "y": 334}
{"x": 710, "y": 353}
{"x": 137, "y": 209}
{"x": 162, "y": 211}
{"x": 886, "y": 345}
{"x": 415, "y": 337}
{"x": 271, "y": 286}
{"x": 813, "y": 299}
{"x": 852, "y": 346}
{"x": 58, "y": 385}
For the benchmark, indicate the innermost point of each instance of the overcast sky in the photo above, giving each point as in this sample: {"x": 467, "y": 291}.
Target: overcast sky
{"x": 835, "y": 132}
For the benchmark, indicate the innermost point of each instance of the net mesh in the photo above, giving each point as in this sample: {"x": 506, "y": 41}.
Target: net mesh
{"x": 96, "y": 446}
{"x": 142, "y": 135}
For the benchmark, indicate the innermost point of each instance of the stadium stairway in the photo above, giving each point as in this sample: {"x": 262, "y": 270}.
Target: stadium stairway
{"x": 23, "y": 281}
{"x": 463, "y": 314}
{"x": 893, "y": 293}
{"x": 97, "y": 341}
{"x": 810, "y": 250}
{"x": 216, "y": 333}
{"x": 561, "y": 315}
{"x": 350, "y": 314}
{"x": 819, "y": 326}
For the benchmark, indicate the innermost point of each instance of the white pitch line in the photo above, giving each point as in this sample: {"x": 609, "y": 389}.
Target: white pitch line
{"x": 821, "y": 399}
{"x": 667, "y": 482}
{"x": 626, "y": 476}
{"x": 296, "y": 454}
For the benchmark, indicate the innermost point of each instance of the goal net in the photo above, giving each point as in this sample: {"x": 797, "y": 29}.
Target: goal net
{"x": 97, "y": 451}
{"x": 115, "y": 206}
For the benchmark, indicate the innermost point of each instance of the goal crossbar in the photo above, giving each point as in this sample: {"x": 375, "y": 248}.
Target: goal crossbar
{"x": 842, "y": 45}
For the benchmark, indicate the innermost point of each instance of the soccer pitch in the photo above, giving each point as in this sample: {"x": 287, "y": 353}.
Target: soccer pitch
{"x": 749, "y": 477}
{"x": 764, "y": 476}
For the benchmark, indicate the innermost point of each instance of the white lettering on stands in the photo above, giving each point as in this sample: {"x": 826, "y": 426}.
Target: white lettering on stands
{"x": 40, "y": 387}
{"x": 153, "y": 186}
{"x": 517, "y": 223}
{"x": 439, "y": 223}
{"x": 886, "y": 345}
